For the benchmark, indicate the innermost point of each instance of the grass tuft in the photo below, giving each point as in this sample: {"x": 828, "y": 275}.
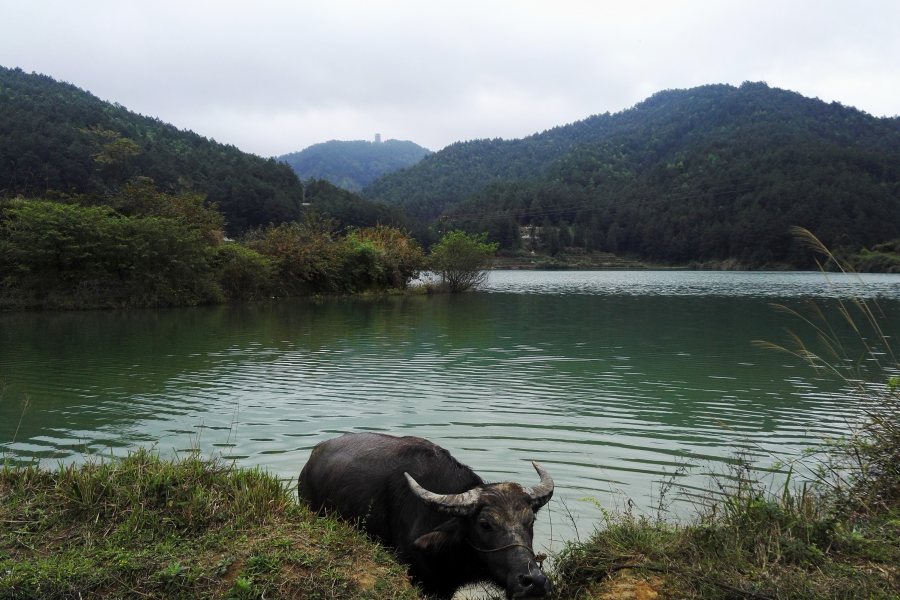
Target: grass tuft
{"x": 190, "y": 527}
{"x": 746, "y": 543}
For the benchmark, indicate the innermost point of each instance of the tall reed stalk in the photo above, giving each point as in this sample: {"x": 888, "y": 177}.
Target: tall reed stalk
{"x": 862, "y": 469}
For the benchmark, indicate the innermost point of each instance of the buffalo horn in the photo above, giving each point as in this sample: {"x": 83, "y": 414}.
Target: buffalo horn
{"x": 540, "y": 494}
{"x": 457, "y": 505}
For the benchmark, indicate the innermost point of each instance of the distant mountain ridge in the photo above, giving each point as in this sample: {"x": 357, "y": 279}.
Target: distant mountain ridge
{"x": 464, "y": 168}
{"x": 711, "y": 173}
{"x": 352, "y": 165}
{"x": 44, "y": 146}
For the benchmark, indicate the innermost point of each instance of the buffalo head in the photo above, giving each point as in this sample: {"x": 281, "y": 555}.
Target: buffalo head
{"x": 497, "y": 522}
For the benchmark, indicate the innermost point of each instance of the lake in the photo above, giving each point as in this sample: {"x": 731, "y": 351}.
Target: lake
{"x": 611, "y": 380}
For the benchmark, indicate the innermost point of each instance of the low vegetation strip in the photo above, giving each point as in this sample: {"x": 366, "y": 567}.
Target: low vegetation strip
{"x": 144, "y": 527}
{"x": 751, "y": 544}
{"x": 136, "y": 247}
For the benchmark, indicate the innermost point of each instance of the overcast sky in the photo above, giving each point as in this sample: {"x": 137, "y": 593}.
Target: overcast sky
{"x": 275, "y": 77}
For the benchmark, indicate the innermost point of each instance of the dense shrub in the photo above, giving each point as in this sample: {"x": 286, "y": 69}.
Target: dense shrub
{"x": 462, "y": 260}
{"x": 884, "y": 258}
{"x": 399, "y": 256}
{"x": 136, "y": 246}
{"x": 61, "y": 254}
{"x": 307, "y": 259}
{"x": 312, "y": 259}
{"x": 244, "y": 274}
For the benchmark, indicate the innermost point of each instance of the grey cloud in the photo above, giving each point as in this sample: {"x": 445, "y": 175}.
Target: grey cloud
{"x": 275, "y": 77}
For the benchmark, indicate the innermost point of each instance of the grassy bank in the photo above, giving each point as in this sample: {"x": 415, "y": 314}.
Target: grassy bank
{"x": 143, "y": 527}
{"x": 749, "y": 542}
{"x": 837, "y": 535}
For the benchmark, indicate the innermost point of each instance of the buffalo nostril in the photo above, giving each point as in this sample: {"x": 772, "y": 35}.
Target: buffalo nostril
{"x": 525, "y": 580}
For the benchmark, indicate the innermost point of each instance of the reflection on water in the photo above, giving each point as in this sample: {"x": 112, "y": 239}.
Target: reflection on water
{"x": 611, "y": 380}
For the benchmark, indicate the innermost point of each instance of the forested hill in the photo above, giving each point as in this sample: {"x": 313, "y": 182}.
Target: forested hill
{"x": 710, "y": 173}
{"x": 55, "y": 136}
{"x": 353, "y": 165}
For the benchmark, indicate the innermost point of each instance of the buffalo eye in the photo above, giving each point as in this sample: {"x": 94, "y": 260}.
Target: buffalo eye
{"x": 485, "y": 526}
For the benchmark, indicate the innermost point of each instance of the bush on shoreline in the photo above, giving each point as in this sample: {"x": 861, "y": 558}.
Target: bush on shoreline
{"x": 883, "y": 258}
{"x": 311, "y": 260}
{"x": 461, "y": 261}
{"x": 137, "y": 247}
{"x": 66, "y": 255}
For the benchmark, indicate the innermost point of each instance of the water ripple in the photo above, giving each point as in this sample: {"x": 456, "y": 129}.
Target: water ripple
{"x": 611, "y": 380}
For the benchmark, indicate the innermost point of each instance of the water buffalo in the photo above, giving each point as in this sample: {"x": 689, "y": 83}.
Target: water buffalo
{"x": 449, "y": 526}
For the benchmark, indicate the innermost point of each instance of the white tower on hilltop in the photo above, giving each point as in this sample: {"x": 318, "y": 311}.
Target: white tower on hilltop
{"x": 377, "y": 138}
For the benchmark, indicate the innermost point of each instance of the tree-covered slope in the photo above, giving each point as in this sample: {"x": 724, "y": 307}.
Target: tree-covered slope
{"x": 353, "y": 165}
{"x": 665, "y": 124}
{"x": 49, "y": 141}
{"x": 464, "y": 168}
{"x": 710, "y": 173}
{"x": 43, "y": 146}
{"x": 350, "y": 210}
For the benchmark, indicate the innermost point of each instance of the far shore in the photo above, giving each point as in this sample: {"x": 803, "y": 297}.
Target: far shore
{"x": 580, "y": 260}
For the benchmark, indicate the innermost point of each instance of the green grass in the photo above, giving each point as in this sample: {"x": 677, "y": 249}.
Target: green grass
{"x": 746, "y": 541}
{"x": 144, "y": 527}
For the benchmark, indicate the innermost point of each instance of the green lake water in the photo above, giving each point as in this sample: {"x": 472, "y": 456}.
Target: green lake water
{"x": 609, "y": 379}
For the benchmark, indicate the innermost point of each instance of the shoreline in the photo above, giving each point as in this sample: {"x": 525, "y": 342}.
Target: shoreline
{"x": 191, "y": 527}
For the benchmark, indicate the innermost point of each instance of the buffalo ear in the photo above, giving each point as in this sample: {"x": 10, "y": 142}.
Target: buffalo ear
{"x": 443, "y": 536}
